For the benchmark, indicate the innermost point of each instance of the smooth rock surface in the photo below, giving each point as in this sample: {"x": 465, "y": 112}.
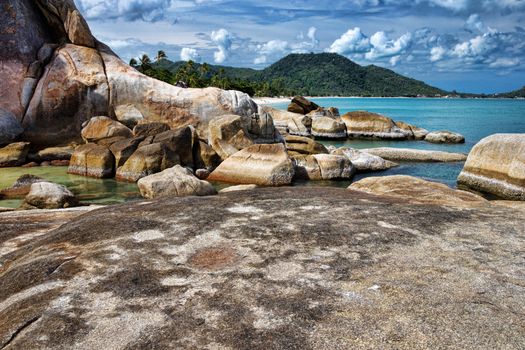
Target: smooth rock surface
{"x": 444, "y": 137}
{"x": 238, "y": 188}
{"x": 496, "y": 165}
{"x": 364, "y": 161}
{"x": 48, "y": 195}
{"x": 176, "y": 181}
{"x": 293, "y": 123}
{"x": 415, "y": 155}
{"x": 264, "y": 164}
{"x": 286, "y": 268}
{"x": 326, "y": 127}
{"x": 52, "y": 153}
{"x": 303, "y": 145}
{"x": 416, "y": 190}
{"x": 323, "y": 167}
{"x": 413, "y": 131}
{"x": 147, "y": 160}
{"x": 229, "y": 134}
{"x": 367, "y": 125}
{"x": 301, "y": 105}
{"x": 99, "y": 128}
{"x": 14, "y": 154}
{"x": 10, "y": 127}
{"x": 92, "y": 160}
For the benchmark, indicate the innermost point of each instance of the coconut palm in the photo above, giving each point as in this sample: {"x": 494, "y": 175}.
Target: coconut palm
{"x": 145, "y": 62}
{"x": 161, "y": 55}
{"x": 133, "y": 62}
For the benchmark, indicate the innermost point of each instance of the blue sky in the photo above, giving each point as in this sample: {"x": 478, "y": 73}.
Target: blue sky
{"x": 467, "y": 45}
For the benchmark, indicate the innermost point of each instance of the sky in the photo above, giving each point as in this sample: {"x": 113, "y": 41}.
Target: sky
{"x": 464, "y": 45}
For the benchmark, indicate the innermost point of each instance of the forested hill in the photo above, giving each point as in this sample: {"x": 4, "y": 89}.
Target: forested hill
{"x": 322, "y": 74}
{"x": 514, "y": 94}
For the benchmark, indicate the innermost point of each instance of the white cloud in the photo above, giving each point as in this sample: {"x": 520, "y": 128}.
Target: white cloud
{"x": 474, "y": 23}
{"x": 382, "y": 46}
{"x": 187, "y": 54}
{"x": 132, "y": 10}
{"x": 505, "y": 63}
{"x": 455, "y": 5}
{"x": 394, "y": 60}
{"x": 273, "y": 46}
{"x": 351, "y": 42}
{"x": 437, "y": 53}
{"x": 222, "y": 38}
{"x": 259, "y": 60}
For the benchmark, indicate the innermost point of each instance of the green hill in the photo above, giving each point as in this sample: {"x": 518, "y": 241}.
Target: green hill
{"x": 514, "y": 94}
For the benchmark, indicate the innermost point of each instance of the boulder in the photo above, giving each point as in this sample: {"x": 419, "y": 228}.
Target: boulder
{"x": 263, "y": 164}
{"x": 363, "y": 161}
{"x": 202, "y": 173}
{"x": 52, "y": 153}
{"x": 330, "y": 112}
{"x": 326, "y": 127}
{"x": 366, "y": 125}
{"x": 176, "y": 181}
{"x": 228, "y": 134}
{"x": 147, "y": 160}
{"x": 415, "y": 155}
{"x": 323, "y": 167}
{"x": 414, "y": 132}
{"x": 14, "y": 154}
{"x": 92, "y": 160}
{"x": 48, "y": 195}
{"x": 496, "y": 165}
{"x": 301, "y": 105}
{"x": 129, "y": 115}
{"x": 10, "y": 127}
{"x": 238, "y": 188}
{"x": 444, "y": 137}
{"x": 21, "y": 186}
{"x": 292, "y": 123}
{"x": 181, "y": 142}
{"x": 123, "y": 149}
{"x": 303, "y": 145}
{"x": 150, "y": 129}
{"x": 73, "y": 88}
{"x": 205, "y": 156}
{"x": 416, "y": 190}
{"x": 99, "y": 128}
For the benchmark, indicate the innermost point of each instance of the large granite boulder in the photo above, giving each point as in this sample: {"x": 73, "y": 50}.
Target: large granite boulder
{"x": 297, "y": 145}
{"x": 367, "y": 125}
{"x": 330, "y": 112}
{"x": 99, "y": 128}
{"x": 229, "y": 134}
{"x": 150, "y": 129}
{"x": 52, "y": 153}
{"x": 364, "y": 161}
{"x": 147, "y": 160}
{"x": 176, "y": 181}
{"x": 414, "y": 132}
{"x": 10, "y": 127}
{"x": 48, "y": 195}
{"x": 123, "y": 149}
{"x": 291, "y": 123}
{"x": 73, "y": 89}
{"x": 444, "y": 137}
{"x": 270, "y": 268}
{"x": 496, "y": 165}
{"x": 323, "y": 167}
{"x": 14, "y": 154}
{"x": 415, "y": 155}
{"x": 326, "y": 127}
{"x": 301, "y": 105}
{"x": 416, "y": 190}
{"x": 92, "y": 160}
{"x": 263, "y": 164}
{"x": 205, "y": 156}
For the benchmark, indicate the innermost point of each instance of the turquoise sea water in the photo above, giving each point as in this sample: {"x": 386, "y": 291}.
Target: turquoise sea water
{"x": 473, "y": 118}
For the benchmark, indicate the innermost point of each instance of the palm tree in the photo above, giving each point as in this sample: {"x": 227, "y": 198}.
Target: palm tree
{"x": 145, "y": 62}
{"x": 205, "y": 68}
{"x": 161, "y": 55}
{"x": 133, "y": 62}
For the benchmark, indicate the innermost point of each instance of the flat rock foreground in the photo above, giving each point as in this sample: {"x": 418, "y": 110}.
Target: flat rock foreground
{"x": 285, "y": 268}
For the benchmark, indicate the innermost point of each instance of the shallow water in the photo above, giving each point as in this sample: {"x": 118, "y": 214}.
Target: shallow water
{"x": 473, "y": 118}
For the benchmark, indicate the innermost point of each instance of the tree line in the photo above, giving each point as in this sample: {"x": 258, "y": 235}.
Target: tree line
{"x": 191, "y": 74}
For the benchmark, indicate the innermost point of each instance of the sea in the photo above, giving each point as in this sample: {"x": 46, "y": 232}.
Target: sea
{"x": 473, "y": 118}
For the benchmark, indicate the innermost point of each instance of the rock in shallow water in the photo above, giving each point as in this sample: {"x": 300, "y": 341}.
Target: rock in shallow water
{"x": 444, "y": 137}
{"x": 496, "y": 165}
{"x": 99, "y": 128}
{"x": 364, "y": 161}
{"x": 323, "y": 167}
{"x": 302, "y": 268}
{"x": 92, "y": 160}
{"x": 48, "y": 195}
{"x": 415, "y": 155}
{"x": 326, "y": 127}
{"x": 367, "y": 125}
{"x": 14, "y": 154}
{"x": 176, "y": 181}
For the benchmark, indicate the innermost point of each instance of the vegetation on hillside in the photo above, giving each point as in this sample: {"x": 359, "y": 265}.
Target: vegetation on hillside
{"x": 514, "y": 94}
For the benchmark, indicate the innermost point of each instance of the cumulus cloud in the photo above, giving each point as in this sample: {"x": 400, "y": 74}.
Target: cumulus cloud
{"x": 437, "y": 53}
{"x": 187, "y": 54}
{"x": 131, "y": 10}
{"x": 351, "y": 42}
{"x": 505, "y": 62}
{"x": 382, "y": 46}
{"x": 223, "y": 39}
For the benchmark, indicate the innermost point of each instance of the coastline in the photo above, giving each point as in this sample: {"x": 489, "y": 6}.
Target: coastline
{"x": 274, "y": 100}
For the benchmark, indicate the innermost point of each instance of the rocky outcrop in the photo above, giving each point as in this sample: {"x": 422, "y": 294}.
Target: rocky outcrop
{"x": 299, "y": 145}
{"x": 10, "y": 127}
{"x": 48, "y": 195}
{"x": 285, "y": 268}
{"x": 123, "y": 149}
{"x": 291, "y": 123}
{"x": 52, "y": 153}
{"x": 414, "y": 132}
{"x": 229, "y": 134}
{"x": 176, "y": 181}
{"x": 21, "y": 187}
{"x": 415, "y": 155}
{"x": 100, "y": 128}
{"x": 444, "y": 137}
{"x": 92, "y": 160}
{"x": 330, "y": 112}
{"x": 205, "y": 156}
{"x": 14, "y": 154}
{"x": 496, "y": 165}
{"x": 301, "y": 105}
{"x": 147, "y": 160}
{"x": 326, "y": 127}
{"x": 416, "y": 190}
{"x": 150, "y": 129}
{"x": 366, "y": 125}
{"x": 323, "y": 167}
{"x": 364, "y": 161}
{"x": 264, "y": 164}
